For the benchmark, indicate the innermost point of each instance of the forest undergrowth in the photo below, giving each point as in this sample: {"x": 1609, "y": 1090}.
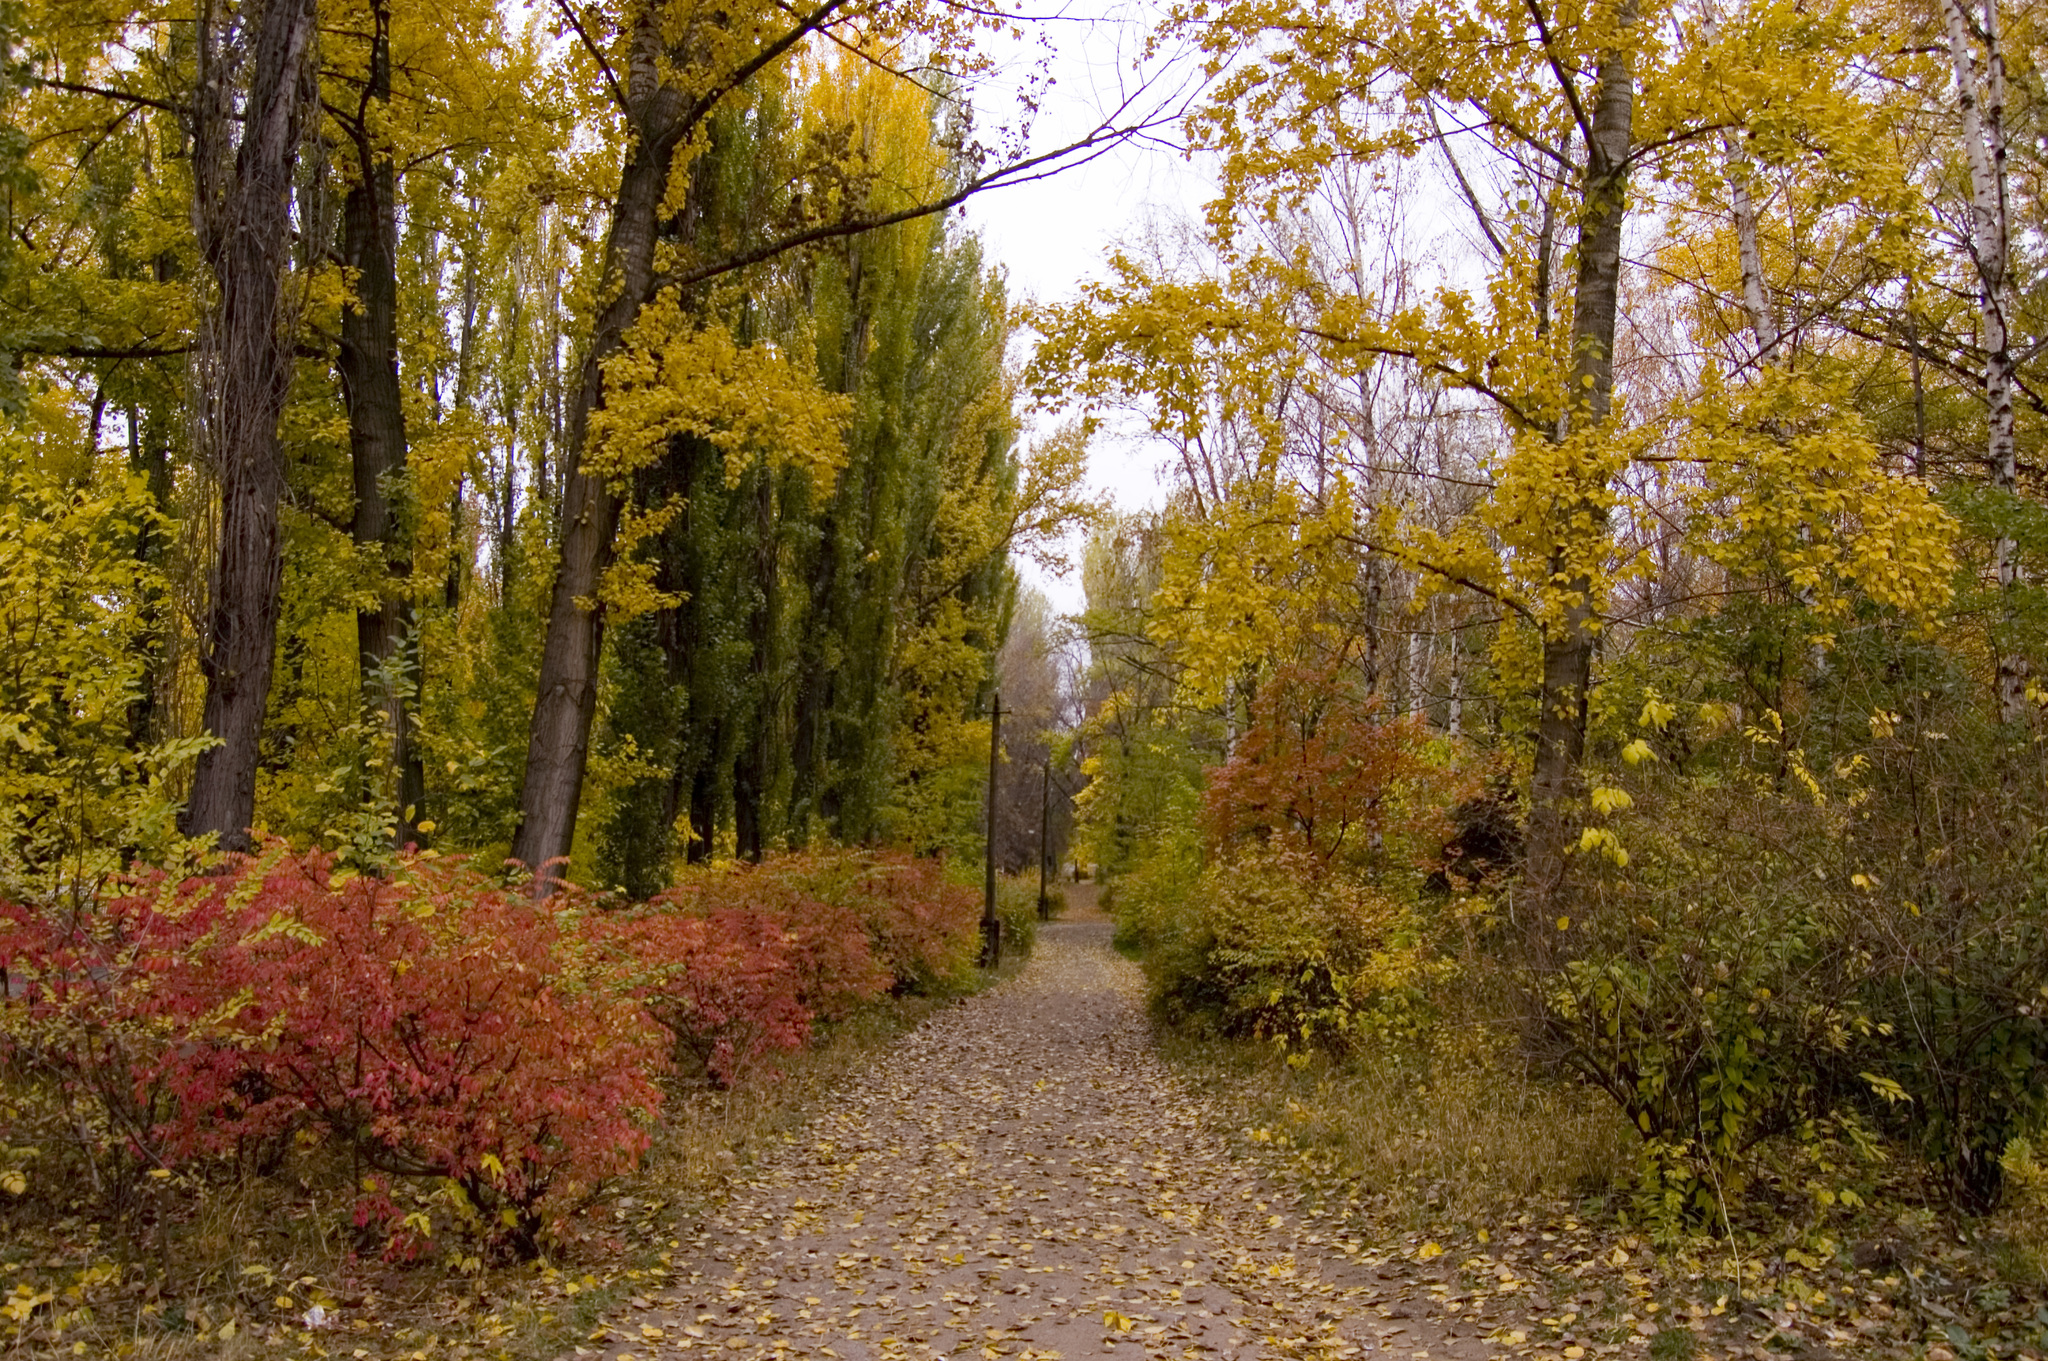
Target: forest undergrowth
{"x": 1480, "y": 1192}
{"x": 1759, "y": 1101}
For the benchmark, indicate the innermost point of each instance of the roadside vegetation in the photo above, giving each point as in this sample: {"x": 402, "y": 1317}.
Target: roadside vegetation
{"x": 509, "y": 557}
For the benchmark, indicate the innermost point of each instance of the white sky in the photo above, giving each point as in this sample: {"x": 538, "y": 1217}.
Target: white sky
{"x": 1052, "y": 234}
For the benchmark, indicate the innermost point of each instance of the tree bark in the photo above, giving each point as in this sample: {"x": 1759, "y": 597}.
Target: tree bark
{"x": 368, "y": 365}
{"x": 1983, "y": 116}
{"x": 1572, "y": 633}
{"x": 753, "y": 776}
{"x": 558, "y": 739}
{"x": 149, "y": 453}
{"x": 242, "y": 213}
{"x": 1763, "y": 318}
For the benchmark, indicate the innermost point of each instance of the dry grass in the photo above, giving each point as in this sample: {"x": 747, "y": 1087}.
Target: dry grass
{"x": 253, "y": 1257}
{"x": 1444, "y": 1168}
{"x": 1459, "y": 1133}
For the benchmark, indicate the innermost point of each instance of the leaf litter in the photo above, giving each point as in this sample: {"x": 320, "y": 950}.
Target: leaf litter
{"x": 1020, "y": 1177}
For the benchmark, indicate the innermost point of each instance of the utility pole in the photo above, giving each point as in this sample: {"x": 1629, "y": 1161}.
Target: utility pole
{"x": 992, "y": 925}
{"x": 1044, "y": 843}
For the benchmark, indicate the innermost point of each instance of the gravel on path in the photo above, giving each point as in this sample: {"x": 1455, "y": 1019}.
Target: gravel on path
{"x": 1022, "y": 1177}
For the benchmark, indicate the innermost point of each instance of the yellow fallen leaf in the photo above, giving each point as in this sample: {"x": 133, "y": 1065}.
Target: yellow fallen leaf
{"x": 1427, "y": 1251}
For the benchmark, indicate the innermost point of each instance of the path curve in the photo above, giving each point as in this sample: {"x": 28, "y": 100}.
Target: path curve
{"x": 1021, "y": 1176}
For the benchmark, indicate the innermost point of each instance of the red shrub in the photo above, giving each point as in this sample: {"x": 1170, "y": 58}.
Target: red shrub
{"x": 78, "y": 1019}
{"x": 926, "y": 927}
{"x": 427, "y": 1018}
{"x": 919, "y": 929}
{"x": 437, "y": 1022}
{"x": 737, "y": 961}
{"x": 1319, "y": 772}
{"x": 724, "y": 982}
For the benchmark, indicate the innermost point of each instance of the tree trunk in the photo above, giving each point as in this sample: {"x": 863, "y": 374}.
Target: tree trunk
{"x": 753, "y": 776}
{"x": 242, "y": 212}
{"x": 1763, "y": 318}
{"x": 149, "y": 453}
{"x": 368, "y": 365}
{"x": 1983, "y": 114}
{"x": 1570, "y": 635}
{"x": 558, "y": 740}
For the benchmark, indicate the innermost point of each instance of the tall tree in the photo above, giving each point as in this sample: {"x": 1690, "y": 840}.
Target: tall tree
{"x": 1571, "y": 629}
{"x": 367, "y": 360}
{"x": 1547, "y": 121}
{"x": 255, "y": 66}
{"x": 681, "y": 64}
{"x": 1981, "y": 103}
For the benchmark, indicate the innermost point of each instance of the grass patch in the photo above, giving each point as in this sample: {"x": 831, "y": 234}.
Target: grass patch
{"x": 1481, "y": 1195}
{"x": 1455, "y": 1134}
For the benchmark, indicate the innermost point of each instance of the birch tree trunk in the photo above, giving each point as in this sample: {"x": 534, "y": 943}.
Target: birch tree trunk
{"x": 1763, "y": 317}
{"x": 1983, "y": 116}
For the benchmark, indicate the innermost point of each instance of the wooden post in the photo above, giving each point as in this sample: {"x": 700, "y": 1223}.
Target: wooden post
{"x": 991, "y": 925}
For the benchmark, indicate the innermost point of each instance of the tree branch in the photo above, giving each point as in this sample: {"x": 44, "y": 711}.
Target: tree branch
{"x": 1041, "y": 166}
{"x": 597, "y": 55}
{"x": 122, "y": 96}
{"x": 1564, "y": 80}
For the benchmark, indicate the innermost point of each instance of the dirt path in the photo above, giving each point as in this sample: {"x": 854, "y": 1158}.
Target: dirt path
{"x": 1020, "y": 1177}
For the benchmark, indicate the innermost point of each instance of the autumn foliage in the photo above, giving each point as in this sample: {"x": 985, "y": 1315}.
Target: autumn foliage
{"x": 435, "y": 1023}
{"x": 736, "y": 963}
{"x": 1321, "y": 772}
{"x": 1296, "y": 918}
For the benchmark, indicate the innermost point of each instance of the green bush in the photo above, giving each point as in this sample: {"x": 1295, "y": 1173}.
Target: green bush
{"x": 1054, "y": 905}
{"x": 1017, "y": 909}
{"x": 1272, "y": 946}
{"x": 1782, "y": 950}
{"x": 2026, "y": 1209}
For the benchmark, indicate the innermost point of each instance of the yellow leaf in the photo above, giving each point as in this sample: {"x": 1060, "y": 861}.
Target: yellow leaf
{"x": 1607, "y": 800}
{"x": 1427, "y": 1251}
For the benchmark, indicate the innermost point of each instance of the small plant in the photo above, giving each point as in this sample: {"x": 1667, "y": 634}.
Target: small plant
{"x": 1674, "y": 1344}
{"x": 2025, "y": 1212}
{"x": 1052, "y": 904}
